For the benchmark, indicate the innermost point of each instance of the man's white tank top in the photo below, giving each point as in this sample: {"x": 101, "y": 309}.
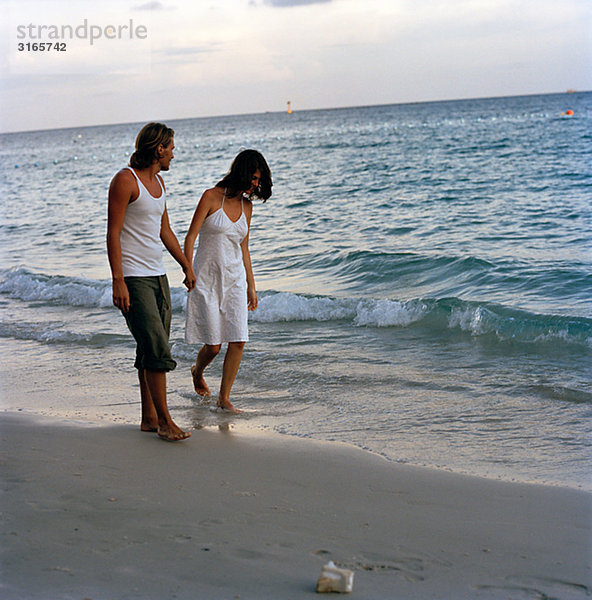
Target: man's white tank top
{"x": 141, "y": 247}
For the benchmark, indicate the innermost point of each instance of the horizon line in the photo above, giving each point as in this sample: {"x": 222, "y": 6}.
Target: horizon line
{"x": 304, "y": 110}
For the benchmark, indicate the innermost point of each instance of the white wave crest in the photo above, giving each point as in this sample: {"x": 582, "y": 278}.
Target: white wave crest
{"x": 470, "y": 319}
{"x": 452, "y": 313}
{"x": 179, "y": 298}
{"x": 388, "y": 313}
{"x": 285, "y": 306}
{"x": 72, "y": 291}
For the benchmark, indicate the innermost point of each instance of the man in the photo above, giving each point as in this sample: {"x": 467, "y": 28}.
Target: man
{"x": 137, "y": 226}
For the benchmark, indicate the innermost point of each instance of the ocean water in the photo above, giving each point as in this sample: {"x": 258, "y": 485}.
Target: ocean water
{"x": 424, "y": 274}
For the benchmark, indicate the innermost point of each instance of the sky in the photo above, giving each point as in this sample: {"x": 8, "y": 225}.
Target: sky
{"x": 119, "y": 61}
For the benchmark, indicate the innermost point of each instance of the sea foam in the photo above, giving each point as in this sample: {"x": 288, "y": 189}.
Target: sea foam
{"x": 55, "y": 289}
{"x": 437, "y": 314}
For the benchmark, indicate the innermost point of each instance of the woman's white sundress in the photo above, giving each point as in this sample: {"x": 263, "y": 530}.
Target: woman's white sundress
{"x": 217, "y": 306}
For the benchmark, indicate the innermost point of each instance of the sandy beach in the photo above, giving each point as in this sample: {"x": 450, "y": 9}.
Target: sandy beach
{"x": 112, "y": 513}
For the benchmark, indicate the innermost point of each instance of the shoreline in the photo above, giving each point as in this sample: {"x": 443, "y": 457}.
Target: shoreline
{"x": 105, "y": 511}
{"x": 93, "y": 390}
{"x": 204, "y": 418}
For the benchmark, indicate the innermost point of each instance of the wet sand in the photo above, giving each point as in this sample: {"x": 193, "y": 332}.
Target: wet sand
{"x": 112, "y": 513}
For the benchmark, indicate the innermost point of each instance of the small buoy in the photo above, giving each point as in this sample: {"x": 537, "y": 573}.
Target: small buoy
{"x": 55, "y": 161}
{"x": 569, "y": 113}
{"x": 36, "y": 164}
{"x": 16, "y": 166}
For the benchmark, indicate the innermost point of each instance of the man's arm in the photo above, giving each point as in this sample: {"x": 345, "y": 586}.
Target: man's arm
{"x": 171, "y": 243}
{"x": 121, "y": 191}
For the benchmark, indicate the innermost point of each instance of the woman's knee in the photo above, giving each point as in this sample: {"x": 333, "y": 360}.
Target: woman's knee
{"x": 213, "y": 349}
{"x": 236, "y": 345}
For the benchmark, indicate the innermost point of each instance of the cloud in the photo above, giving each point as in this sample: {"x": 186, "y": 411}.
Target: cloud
{"x": 154, "y": 5}
{"x": 182, "y": 55}
{"x": 185, "y": 51}
{"x": 287, "y": 3}
{"x": 317, "y": 53}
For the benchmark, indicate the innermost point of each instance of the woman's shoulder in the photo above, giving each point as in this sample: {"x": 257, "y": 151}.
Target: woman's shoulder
{"x": 211, "y": 199}
{"x": 213, "y": 193}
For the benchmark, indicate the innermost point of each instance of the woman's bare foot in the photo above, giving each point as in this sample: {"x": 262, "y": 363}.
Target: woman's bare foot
{"x": 172, "y": 433}
{"x": 199, "y": 383}
{"x": 150, "y": 427}
{"x": 228, "y": 406}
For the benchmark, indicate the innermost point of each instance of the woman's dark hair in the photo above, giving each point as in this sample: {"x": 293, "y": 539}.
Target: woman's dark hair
{"x": 151, "y": 136}
{"x": 238, "y": 179}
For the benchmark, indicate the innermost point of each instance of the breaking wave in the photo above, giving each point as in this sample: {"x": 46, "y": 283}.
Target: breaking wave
{"x": 437, "y": 314}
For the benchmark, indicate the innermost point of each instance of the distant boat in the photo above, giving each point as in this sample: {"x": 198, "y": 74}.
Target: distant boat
{"x": 571, "y": 92}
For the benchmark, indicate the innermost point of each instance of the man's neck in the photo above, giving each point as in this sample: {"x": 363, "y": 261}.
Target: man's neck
{"x": 151, "y": 171}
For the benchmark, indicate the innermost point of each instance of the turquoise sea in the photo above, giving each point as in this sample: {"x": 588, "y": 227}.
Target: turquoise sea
{"x": 424, "y": 273}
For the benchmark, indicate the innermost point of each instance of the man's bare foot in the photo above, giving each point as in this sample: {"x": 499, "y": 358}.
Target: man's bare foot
{"x": 172, "y": 433}
{"x": 199, "y": 383}
{"x": 228, "y": 406}
{"x": 150, "y": 427}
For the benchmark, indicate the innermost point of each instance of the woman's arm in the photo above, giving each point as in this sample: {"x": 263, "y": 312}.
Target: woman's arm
{"x": 252, "y": 300}
{"x": 204, "y": 208}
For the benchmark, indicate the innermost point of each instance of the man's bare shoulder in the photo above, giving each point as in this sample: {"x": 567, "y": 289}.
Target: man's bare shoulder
{"x": 123, "y": 176}
{"x": 123, "y": 187}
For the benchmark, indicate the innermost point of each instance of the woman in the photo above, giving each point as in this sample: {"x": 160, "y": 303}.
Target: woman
{"x": 225, "y": 287}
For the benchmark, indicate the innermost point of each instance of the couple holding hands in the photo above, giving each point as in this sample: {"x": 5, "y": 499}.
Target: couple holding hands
{"x": 219, "y": 279}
